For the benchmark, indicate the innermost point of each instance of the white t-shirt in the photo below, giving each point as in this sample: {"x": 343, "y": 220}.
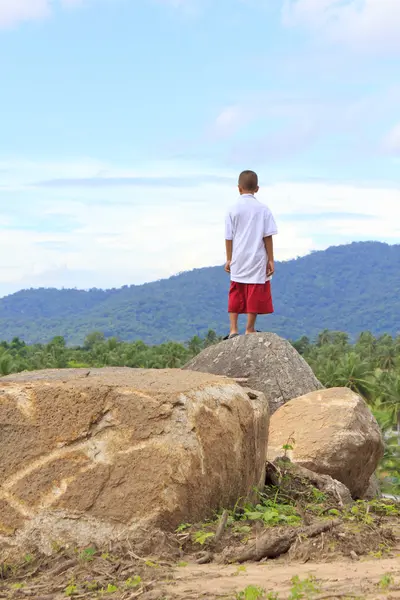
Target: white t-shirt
{"x": 247, "y": 224}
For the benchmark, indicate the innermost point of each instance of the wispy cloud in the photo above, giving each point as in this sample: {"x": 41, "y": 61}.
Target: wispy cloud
{"x": 391, "y": 142}
{"x": 155, "y": 182}
{"x": 278, "y": 145}
{"x": 87, "y": 237}
{"x": 276, "y": 126}
{"x": 371, "y": 25}
{"x": 14, "y": 12}
{"x": 229, "y": 121}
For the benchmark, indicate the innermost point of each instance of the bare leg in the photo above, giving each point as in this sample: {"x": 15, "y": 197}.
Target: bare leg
{"x": 251, "y": 322}
{"x": 233, "y": 317}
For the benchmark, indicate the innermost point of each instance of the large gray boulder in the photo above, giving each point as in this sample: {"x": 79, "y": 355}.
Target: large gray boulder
{"x": 269, "y": 363}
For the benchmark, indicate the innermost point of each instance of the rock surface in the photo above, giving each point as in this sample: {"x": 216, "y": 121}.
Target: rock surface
{"x": 334, "y": 434}
{"x": 268, "y": 362}
{"x": 96, "y": 456}
{"x": 374, "y": 490}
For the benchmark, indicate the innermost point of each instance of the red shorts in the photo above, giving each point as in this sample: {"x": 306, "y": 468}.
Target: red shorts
{"x": 250, "y": 298}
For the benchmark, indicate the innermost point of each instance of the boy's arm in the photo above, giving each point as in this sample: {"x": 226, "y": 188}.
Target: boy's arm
{"x": 270, "y": 229}
{"x": 229, "y": 247}
{"x": 228, "y": 243}
{"x": 269, "y": 247}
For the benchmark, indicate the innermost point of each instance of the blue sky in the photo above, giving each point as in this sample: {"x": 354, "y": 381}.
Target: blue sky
{"x": 124, "y": 124}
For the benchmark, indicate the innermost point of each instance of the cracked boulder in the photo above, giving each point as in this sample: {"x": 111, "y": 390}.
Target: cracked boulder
{"x": 93, "y": 457}
{"x": 267, "y": 362}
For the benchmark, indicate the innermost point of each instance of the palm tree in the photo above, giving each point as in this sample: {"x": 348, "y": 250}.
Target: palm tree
{"x": 195, "y": 345}
{"x": 325, "y": 371}
{"x": 6, "y": 364}
{"x": 172, "y": 359}
{"x": 366, "y": 344}
{"x": 339, "y": 338}
{"x": 96, "y": 337}
{"x": 356, "y": 374}
{"x": 58, "y": 340}
{"x": 390, "y": 398}
{"x": 387, "y": 356}
{"x": 211, "y": 338}
{"x": 302, "y": 345}
{"x": 112, "y": 343}
{"x": 389, "y": 468}
{"x": 324, "y": 338}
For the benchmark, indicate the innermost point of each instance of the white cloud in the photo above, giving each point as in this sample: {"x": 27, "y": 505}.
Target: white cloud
{"x": 16, "y": 11}
{"x": 288, "y": 124}
{"x": 229, "y": 121}
{"x": 391, "y": 142}
{"x": 370, "y": 24}
{"x": 106, "y": 237}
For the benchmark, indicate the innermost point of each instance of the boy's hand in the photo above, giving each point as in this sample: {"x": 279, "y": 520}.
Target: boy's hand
{"x": 270, "y": 268}
{"x": 228, "y": 266}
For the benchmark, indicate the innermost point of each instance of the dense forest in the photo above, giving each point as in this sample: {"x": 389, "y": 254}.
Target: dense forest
{"x": 370, "y": 366}
{"x": 350, "y": 288}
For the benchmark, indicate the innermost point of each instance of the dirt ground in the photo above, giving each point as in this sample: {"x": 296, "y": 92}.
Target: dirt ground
{"x": 311, "y": 571}
{"x": 335, "y": 580}
{"x": 296, "y": 543}
{"x": 363, "y": 579}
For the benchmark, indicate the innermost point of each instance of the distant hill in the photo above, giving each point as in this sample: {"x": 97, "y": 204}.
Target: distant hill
{"x": 350, "y": 288}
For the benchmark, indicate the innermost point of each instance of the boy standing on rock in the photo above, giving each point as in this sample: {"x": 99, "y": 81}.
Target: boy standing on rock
{"x": 249, "y": 228}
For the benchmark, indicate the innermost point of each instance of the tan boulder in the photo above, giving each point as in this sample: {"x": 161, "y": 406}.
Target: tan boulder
{"x": 268, "y": 363}
{"x": 95, "y": 456}
{"x": 334, "y": 433}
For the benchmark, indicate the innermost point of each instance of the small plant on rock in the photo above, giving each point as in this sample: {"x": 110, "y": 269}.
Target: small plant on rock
{"x": 288, "y": 446}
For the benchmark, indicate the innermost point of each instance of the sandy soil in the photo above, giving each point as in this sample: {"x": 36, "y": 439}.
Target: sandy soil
{"x": 358, "y": 559}
{"x": 53, "y": 579}
{"x": 336, "y": 580}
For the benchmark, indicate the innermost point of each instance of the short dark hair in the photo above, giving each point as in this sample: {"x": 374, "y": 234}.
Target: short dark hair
{"x": 248, "y": 180}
